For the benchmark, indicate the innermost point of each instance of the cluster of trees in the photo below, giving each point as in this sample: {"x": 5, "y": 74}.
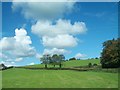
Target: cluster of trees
{"x": 92, "y": 65}
{"x": 73, "y": 58}
{"x": 54, "y": 60}
{"x": 110, "y": 56}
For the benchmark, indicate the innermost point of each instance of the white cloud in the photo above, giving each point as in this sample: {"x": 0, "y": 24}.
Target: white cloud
{"x": 17, "y": 47}
{"x": 55, "y": 51}
{"x": 43, "y": 10}
{"x": 8, "y": 63}
{"x": 21, "y": 36}
{"x": 31, "y": 63}
{"x": 38, "y": 56}
{"x": 60, "y": 41}
{"x": 46, "y": 28}
{"x": 3, "y": 56}
{"x": 57, "y": 36}
{"x": 7, "y": 43}
{"x": 18, "y": 59}
{"x": 62, "y": 34}
{"x": 79, "y": 56}
{"x": 13, "y": 62}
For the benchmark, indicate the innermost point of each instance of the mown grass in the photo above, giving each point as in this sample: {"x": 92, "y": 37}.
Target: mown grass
{"x": 25, "y": 78}
{"x": 28, "y": 78}
{"x": 71, "y": 63}
{"x": 74, "y": 63}
{"x": 0, "y": 79}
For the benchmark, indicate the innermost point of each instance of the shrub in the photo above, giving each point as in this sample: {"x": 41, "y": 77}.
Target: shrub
{"x": 94, "y": 64}
{"x": 89, "y": 64}
{"x": 96, "y": 58}
{"x": 72, "y": 58}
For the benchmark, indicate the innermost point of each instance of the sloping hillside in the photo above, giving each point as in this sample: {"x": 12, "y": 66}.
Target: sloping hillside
{"x": 80, "y": 62}
{"x": 72, "y": 63}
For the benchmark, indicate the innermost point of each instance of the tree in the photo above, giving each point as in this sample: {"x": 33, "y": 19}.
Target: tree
{"x": 54, "y": 58}
{"x": 89, "y": 64}
{"x": 110, "y": 55}
{"x": 72, "y": 58}
{"x": 57, "y": 60}
{"x": 96, "y": 58}
{"x": 61, "y": 58}
{"x": 45, "y": 59}
{"x": 94, "y": 64}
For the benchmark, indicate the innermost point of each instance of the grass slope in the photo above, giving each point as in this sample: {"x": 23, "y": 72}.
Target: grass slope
{"x": 71, "y": 63}
{"x": 24, "y": 78}
{"x": 80, "y": 62}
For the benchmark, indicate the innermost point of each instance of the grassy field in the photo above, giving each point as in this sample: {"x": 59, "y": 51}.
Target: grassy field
{"x": 27, "y": 78}
{"x": 72, "y": 63}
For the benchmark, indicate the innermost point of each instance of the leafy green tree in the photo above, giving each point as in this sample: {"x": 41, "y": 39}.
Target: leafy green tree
{"x": 45, "y": 59}
{"x": 72, "y": 59}
{"x": 54, "y": 59}
{"x": 57, "y": 60}
{"x": 96, "y": 58}
{"x": 61, "y": 58}
{"x": 89, "y": 64}
{"x": 110, "y": 57}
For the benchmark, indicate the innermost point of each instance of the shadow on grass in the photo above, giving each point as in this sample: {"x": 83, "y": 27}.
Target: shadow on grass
{"x": 79, "y": 68}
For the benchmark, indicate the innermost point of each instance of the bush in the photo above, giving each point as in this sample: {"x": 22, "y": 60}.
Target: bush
{"x": 94, "y": 64}
{"x": 96, "y": 58}
{"x": 72, "y": 59}
{"x": 89, "y": 64}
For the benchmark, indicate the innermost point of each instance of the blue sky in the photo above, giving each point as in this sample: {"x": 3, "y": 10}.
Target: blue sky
{"x": 95, "y": 23}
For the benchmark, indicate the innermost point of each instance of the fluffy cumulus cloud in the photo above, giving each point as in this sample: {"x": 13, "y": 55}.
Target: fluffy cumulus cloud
{"x": 46, "y": 28}
{"x": 55, "y": 36}
{"x": 41, "y": 10}
{"x": 80, "y": 56}
{"x": 62, "y": 34}
{"x": 60, "y": 41}
{"x": 17, "y": 47}
{"x": 55, "y": 51}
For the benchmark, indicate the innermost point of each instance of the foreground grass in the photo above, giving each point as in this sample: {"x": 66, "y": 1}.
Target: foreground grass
{"x": 0, "y": 80}
{"x": 25, "y": 78}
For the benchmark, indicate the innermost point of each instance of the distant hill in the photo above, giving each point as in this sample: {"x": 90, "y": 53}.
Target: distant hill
{"x": 72, "y": 63}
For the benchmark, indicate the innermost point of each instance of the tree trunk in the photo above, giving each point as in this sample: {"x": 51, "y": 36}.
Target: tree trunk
{"x": 45, "y": 65}
{"x": 60, "y": 65}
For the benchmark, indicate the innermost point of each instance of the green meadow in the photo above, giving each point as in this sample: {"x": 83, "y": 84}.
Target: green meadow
{"x": 28, "y": 78}
{"x": 72, "y": 63}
